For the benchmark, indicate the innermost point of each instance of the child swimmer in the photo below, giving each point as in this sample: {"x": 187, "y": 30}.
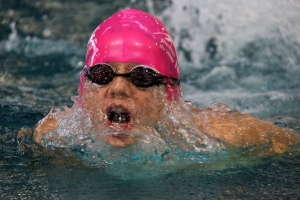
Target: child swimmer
{"x": 130, "y": 82}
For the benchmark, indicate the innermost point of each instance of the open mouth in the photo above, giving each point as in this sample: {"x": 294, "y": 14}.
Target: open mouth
{"x": 117, "y": 114}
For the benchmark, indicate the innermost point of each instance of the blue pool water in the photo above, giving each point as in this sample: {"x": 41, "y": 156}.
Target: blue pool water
{"x": 245, "y": 54}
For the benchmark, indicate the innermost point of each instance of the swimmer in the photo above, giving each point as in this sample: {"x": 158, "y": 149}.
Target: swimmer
{"x": 130, "y": 82}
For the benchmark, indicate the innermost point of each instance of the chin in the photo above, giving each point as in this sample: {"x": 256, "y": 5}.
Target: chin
{"x": 120, "y": 140}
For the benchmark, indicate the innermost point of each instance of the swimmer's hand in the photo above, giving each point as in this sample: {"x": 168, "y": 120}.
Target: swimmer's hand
{"x": 23, "y": 133}
{"x": 241, "y": 130}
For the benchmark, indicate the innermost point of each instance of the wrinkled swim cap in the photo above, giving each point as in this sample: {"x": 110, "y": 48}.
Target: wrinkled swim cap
{"x": 133, "y": 36}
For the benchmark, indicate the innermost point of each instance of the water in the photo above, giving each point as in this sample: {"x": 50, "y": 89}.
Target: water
{"x": 245, "y": 54}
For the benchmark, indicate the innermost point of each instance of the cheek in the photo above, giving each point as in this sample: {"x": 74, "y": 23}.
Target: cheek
{"x": 153, "y": 105}
{"x": 159, "y": 105}
{"x": 92, "y": 102}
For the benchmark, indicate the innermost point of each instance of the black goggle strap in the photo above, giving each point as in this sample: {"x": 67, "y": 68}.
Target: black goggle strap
{"x": 170, "y": 81}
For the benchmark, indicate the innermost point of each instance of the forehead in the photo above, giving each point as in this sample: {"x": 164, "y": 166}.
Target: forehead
{"x": 121, "y": 67}
{"x": 124, "y": 67}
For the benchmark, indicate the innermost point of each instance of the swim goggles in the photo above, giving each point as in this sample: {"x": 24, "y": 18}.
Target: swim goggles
{"x": 140, "y": 76}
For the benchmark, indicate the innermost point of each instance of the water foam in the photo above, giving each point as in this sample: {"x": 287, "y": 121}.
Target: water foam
{"x": 174, "y": 139}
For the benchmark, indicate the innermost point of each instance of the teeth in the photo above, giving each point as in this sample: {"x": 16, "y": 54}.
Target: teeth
{"x": 117, "y": 110}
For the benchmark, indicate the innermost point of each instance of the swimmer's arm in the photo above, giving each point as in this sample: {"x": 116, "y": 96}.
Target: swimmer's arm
{"x": 44, "y": 126}
{"x": 241, "y": 130}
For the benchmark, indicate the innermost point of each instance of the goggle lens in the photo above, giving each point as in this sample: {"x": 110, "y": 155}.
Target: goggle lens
{"x": 144, "y": 77}
{"x": 100, "y": 74}
{"x": 140, "y": 76}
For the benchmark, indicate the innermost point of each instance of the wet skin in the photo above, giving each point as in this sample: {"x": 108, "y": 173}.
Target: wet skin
{"x": 123, "y": 107}
{"x": 143, "y": 106}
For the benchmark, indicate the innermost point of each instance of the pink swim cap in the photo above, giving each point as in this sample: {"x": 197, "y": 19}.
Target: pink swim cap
{"x": 133, "y": 36}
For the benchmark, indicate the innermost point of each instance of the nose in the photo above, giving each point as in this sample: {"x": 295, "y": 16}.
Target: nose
{"x": 120, "y": 87}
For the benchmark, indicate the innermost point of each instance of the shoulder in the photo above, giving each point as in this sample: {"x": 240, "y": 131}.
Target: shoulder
{"x": 242, "y": 130}
{"x": 45, "y": 125}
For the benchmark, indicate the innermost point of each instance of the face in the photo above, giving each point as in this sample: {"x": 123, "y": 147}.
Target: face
{"x": 122, "y": 106}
